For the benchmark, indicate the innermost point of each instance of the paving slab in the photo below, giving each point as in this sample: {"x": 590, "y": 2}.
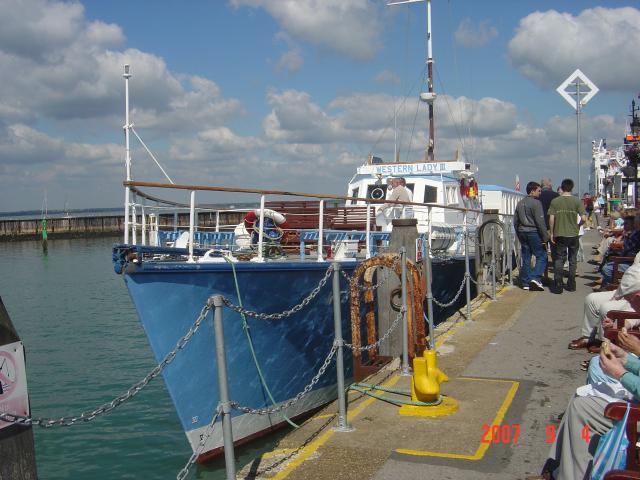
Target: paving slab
{"x": 508, "y": 367}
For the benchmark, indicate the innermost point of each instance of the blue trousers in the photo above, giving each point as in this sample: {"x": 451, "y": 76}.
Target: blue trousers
{"x": 607, "y": 271}
{"x": 531, "y": 244}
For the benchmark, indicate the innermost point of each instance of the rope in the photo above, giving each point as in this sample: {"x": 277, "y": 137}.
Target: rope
{"x": 245, "y": 327}
{"x": 366, "y": 390}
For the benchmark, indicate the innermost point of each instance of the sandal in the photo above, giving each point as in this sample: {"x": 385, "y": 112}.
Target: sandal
{"x": 579, "y": 343}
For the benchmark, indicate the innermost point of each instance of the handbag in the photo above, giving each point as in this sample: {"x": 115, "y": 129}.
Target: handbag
{"x": 611, "y": 453}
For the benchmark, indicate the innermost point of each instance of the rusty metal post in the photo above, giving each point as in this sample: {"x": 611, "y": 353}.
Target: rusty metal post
{"x": 17, "y": 449}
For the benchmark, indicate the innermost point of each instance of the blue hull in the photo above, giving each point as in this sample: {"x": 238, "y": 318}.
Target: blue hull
{"x": 169, "y": 296}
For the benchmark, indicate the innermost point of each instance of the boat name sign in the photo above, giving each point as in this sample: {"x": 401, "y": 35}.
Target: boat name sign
{"x": 412, "y": 168}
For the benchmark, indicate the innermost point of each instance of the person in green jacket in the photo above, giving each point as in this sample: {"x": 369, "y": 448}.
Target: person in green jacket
{"x": 564, "y": 234}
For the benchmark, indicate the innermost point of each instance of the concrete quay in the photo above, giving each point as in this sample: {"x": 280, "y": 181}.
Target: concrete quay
{"x": 509, "y": 367}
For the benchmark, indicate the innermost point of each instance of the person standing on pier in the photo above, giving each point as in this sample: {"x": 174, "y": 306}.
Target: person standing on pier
{"x": 532, "y": 233}
{"x": 565, "y": 231}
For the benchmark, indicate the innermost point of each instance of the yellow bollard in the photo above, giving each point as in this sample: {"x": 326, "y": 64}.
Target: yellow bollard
{"x": 425, "y": 387}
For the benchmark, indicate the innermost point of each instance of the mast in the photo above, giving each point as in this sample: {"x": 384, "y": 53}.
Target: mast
{"x": 429, "y": 96}
{"x": 127, "y": 159}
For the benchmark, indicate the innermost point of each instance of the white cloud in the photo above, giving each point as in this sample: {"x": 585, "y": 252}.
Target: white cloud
{"x": 472, "y": 35}
{"x": 290, "y": 61}
{"x": 548, "y": 46}
{"x": 348, "y": 27}
{"x": 387, "y": 76}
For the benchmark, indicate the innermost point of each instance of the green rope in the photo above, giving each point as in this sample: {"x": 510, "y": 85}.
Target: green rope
{"x": 396, "y": 402}
{"x": 399, "y": 391}
{"x": 245, "y": 327}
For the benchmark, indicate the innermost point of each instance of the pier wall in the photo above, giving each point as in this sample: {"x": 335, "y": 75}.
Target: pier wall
{"x": 89, "y": 226}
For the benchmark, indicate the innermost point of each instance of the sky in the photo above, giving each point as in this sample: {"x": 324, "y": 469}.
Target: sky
{"x": 295, "y": 94}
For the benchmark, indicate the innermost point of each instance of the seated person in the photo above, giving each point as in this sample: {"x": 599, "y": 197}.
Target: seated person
{"x": 626, "y": 297}
{"x": 570, "y": 457}
{"x": 630, "y": 248}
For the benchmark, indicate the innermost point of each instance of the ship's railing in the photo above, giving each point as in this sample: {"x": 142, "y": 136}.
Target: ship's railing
{"x": 338, "y": 227}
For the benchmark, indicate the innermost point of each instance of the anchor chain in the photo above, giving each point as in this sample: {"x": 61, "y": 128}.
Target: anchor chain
{"x": 294, "y": 400}
{"x": 462, "y": 284}
{"x": 87, "y": 416}
{"x": 382, "y": 338}
{"x": 182, "y": 474}
{"x": 286, "y": 313}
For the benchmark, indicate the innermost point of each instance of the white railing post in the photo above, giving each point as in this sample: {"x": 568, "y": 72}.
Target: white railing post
{"x": 260, "y": 257}
{"x": 134, "y": 221}
{"x": 144, "y": 224}
{"x": 217, "y": 220}
{"x": 192, "y": 213}
{"x": 368, "y": 239}
{"x": 321, "y": 232}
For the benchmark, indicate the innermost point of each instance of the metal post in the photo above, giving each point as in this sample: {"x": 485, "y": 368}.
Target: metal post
{"x": 405, "y": 329}
{"x": 432, "y": 339}
{"x": 217, "y": 220}
{"x": 223, "y": 387}
{"x": 260, "y": 257}
{"x": 493, "y": 262}
{"x": 343, "y": 424}
{"x": 578, "y": 111}
{"x": 321, "y": 231}
{"x": 368, "y": 239}
{"x": 192, "y": 209}
{"x": 175, "y": 221}
{"x": 466, "y": 265}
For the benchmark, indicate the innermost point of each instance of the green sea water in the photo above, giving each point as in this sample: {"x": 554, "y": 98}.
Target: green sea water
{"x": 84, "y": 346}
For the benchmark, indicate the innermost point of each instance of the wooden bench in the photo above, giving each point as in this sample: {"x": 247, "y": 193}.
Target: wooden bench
{"x": 617, "y": 411}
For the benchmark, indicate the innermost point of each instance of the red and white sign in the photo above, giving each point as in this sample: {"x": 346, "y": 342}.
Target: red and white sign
{"x": 419, "y": 249}
{"x": 13, "y": 381}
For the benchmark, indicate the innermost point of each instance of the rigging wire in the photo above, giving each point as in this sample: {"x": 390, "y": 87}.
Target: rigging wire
{"x": 453, "y": 120}
{"x": 413, "y": 127}
{"x": 400, "y": 107}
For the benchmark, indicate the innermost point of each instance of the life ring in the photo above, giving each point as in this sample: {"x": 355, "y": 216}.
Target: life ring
{"x": 253, "y": 217}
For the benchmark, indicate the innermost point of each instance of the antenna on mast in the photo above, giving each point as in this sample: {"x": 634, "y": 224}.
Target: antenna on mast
{"x": 428, "y": 96}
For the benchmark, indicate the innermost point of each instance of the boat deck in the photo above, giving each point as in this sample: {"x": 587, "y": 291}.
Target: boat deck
{"x": 510, "y": 366}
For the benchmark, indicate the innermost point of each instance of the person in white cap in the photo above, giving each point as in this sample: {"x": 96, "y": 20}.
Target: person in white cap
{"x": 597, "y": 304}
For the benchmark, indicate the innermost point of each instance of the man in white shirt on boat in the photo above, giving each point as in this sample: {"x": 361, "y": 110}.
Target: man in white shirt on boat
{"x": 390, "y": 211}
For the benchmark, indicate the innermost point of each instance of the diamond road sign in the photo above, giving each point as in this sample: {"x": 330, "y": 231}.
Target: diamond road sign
{"x": 586, "y": 91}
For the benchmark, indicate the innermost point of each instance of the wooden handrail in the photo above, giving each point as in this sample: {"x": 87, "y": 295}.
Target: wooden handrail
{"x": 208, "y": 188}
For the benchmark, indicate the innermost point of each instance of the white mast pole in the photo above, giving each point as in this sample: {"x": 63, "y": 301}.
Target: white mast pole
{"x": 432, "y": 140}
{"x": 127, "y": 126}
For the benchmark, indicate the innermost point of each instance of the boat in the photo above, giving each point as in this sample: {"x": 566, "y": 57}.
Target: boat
{"x": 275, "y": 260}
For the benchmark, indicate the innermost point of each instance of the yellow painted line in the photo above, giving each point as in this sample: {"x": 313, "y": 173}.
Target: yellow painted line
{"x": 441, "y": 339}
{"x": 482, "y": 449}
{"x": 280, "y": 451}
{"x": 310, "y": 449}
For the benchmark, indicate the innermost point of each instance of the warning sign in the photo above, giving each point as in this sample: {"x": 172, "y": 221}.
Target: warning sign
{"x": 13, "y": 381}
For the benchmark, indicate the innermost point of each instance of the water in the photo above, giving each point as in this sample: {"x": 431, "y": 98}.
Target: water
{"x": 84, "y": 346}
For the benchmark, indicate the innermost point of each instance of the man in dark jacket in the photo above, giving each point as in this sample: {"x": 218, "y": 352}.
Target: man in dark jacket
{"x": 532, "y": 233}
{"x": 547, "y": 194}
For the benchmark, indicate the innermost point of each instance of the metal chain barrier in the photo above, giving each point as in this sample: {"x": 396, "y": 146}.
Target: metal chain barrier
{"x": 294, "y": 400}
{"x": 395, "y": 323}
{"x": 462, "y": 285}
{"x": 120, "y": 399}
{"x": 182, "y": 474}
{"x": 349, "y": 279}
{"x": 362, "y": 288}
{"x": 286, "y": 313}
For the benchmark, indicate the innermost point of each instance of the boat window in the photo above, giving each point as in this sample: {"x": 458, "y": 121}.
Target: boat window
{"x": 354, "y": 192}
{"x": 430, "y": 194}
{"x": 377, "y": 192}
